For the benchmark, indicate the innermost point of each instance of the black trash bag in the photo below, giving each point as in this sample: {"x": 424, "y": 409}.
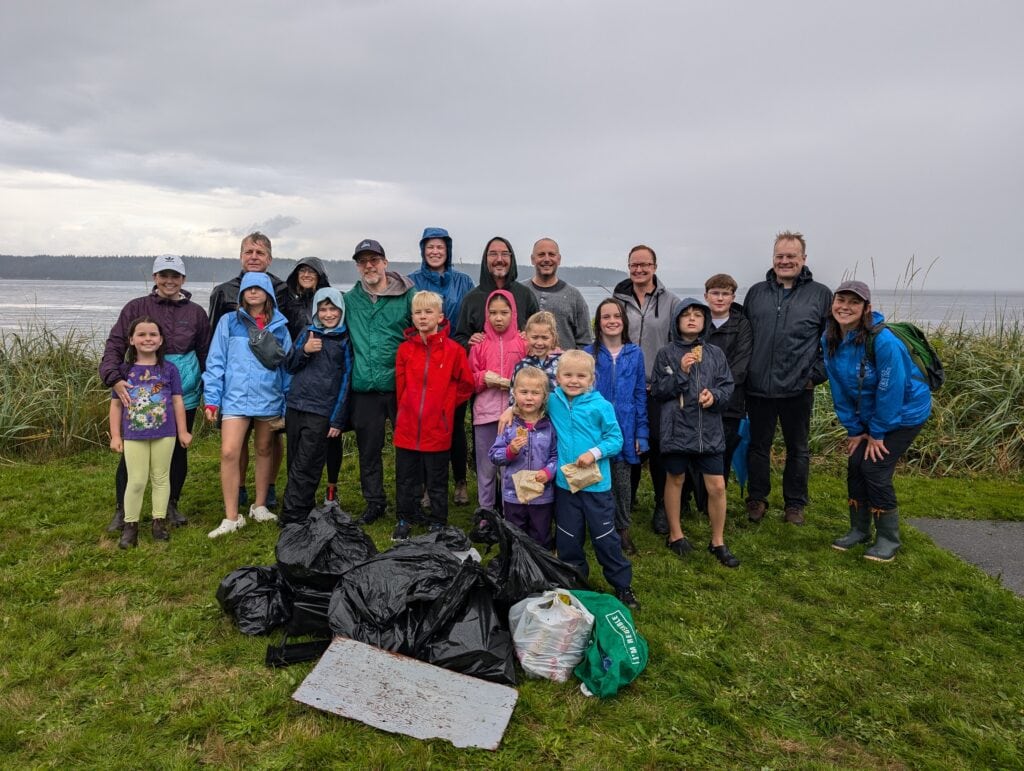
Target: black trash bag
{"x": 523, "y": 567}
{"x": 255, "y": 598}
{"x": 482, "y": 531}
{"x": 330, "y": 509}
{"x": 451, "y": 537}
{"x": 309, "y": 612}
{"x": 315, "y": 552}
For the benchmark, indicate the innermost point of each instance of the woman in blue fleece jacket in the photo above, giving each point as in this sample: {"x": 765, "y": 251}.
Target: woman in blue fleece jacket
{"x": 883, "y": 403}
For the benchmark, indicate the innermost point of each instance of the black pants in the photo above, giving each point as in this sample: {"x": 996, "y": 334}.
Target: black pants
{"x": 653, "y": 456}
{"x": 179, "y": 467}
{"x": 307, "y": 453}
{"x": 370, "y": 411}
{"x": 793, "y": 413}
{"x": 334, "y": 454}
{"x": 413, "y": 469}
{"x": 693, "y": 484}
{"x": 871, "y": 481}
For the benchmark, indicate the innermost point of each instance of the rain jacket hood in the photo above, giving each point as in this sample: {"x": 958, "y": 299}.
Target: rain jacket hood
{"x": 451, "y": 284}
{"x": 262, "y": 280}
{"x": 690, "y": 302}
{"x": 441, "y": 233}
{"x": 486, "y": 279}
{"x": 335, "y": 298}
{"x": 309, "y": 262}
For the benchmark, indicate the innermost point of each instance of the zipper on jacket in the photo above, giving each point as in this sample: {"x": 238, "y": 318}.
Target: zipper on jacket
{"x": 423, "y": 396}
{"x": 700, "y": 413}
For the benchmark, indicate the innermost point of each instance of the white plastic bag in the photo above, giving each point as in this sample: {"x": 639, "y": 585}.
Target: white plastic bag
{"x": 550, "y": 632}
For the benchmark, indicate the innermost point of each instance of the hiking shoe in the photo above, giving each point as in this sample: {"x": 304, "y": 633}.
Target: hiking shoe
{"x": 372, "y": 513}
{"x": 723, "y": 555}
{"x": 243, "y": 496}
{"x": 227, "y": 526}
{"x": 160, "y": 530}
{"x": 461, "y": 497}
{"x": 756, "y": 510}
{"x": 626, "y": 597}
{"x": 628, "y": 547}
{"x": 129, "y": 536}
{"x": 271, "y": 497}
{"x": 174, "y": 517}
{"x": 117, "y": 523}
{"x": 794, "y": 515}
{"x": 401, "y": 531}
{"x": 681, "y": 546}
{"x": 261, "y": 514}
{"x": 659, "y": 520}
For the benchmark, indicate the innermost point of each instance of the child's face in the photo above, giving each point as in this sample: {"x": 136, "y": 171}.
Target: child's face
{"x": 328, "y": 314}
{"x": 691, "y": 321}
{"x": 146, "y": 338}
{"x": 254, "y": 297}
{"x": 499, "y": 314}
{"x": 530, "y": 395}
{"x": 719, "y": 300}
{"x": 610, "y": 320}
{"x": 426, "y": 319}
{"x": 539, "y": 340}
{"x": 575, "y": 379}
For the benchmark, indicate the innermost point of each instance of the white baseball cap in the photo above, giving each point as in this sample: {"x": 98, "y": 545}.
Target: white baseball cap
{"x": 169, "y": 262}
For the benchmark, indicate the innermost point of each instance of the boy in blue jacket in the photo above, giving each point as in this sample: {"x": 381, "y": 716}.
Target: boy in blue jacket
{"x": 588, "y": 433}
{"x": 321, "y": 367}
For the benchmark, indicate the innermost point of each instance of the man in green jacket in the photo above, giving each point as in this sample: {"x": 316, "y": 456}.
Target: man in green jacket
{"x": 377, "y": 311}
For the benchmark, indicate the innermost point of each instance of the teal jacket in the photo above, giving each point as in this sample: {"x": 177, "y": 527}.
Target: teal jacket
{"x": 581, "y": 424}
{"x": 376, "y": 329}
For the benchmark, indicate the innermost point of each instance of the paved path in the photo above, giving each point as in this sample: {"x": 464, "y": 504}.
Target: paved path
{"x": 995, "y": 547}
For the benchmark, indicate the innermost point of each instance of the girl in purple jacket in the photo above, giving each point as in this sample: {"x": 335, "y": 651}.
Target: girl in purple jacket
{"x": 528, "y": 443}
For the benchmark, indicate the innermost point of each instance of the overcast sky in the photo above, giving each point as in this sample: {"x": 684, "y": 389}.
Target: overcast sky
{"x": 890, "y": 133}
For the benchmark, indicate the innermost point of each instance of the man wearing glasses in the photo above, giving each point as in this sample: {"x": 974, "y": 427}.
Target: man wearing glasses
{"x": 649, "y": 312}
{"x": 497, "y": 271}
{"x": 377, "y": 312}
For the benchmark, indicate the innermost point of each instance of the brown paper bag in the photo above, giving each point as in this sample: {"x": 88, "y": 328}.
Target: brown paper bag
{"x": 527, "y": 486}
{"x": 579, "y": 477}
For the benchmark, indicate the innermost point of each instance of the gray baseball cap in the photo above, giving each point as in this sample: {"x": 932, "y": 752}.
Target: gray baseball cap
{"x": 858, "y": 288}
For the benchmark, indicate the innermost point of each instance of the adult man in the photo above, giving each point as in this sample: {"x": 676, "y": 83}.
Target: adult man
{"x": 378, "y": 310}
{"x": 497, "y": 271}
{"x": 256, "y": 254}
{"x": 787, "y": 313}
{"x": 562, "y": 299}
{"x": 649, "y": 307}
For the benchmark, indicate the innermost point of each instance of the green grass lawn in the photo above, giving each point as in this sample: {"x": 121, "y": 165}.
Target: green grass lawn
{"x": 804, "y": 657}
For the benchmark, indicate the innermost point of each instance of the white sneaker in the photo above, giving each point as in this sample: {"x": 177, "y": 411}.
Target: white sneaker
{"x": 262, "y": 514}
{"x": 227, "y": 526}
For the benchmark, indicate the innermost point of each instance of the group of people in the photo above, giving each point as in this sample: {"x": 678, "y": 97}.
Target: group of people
{"x": 565, "y": 408}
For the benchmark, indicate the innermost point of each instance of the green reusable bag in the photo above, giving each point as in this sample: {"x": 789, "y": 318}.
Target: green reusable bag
{"x": 616, "y": 653}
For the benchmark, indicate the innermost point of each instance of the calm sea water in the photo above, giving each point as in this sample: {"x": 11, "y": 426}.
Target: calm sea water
{"x": 92, "y": 307}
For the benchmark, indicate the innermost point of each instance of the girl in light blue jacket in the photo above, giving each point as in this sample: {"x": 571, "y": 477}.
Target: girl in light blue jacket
{"x": 241, "y": 390}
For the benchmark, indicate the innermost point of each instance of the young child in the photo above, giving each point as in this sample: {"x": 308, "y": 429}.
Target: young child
{"x": 492, "y": 361}
{"x": 528, "y": 443}
{"x": 692, "y": 380}
{"x": 541, "y": 333}
{"x": 144, "y": 429}
{"x": 588, "y": 433}
{"x": 621, "y": 380}
{"x": 240, "y": 390}
{"x": 432, "y": 378}
{"x": 321, "y": 369}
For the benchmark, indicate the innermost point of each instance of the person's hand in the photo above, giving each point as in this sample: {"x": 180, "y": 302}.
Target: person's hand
{"x": 333, "y": 433}
{"x": 706, "y": 398}
{"x": 185, "y": 439}
{"x": 505, "y": 420}
{"x": 876, "y": 450}
{"x": 586, "y": 459}
{"x": 542, "y": 477}
{"x": 121, "y": 389}
{"x": 492, "y": 379}
{"x": 476, "y": 338}
{"x": 211, "y": 413}
{"x": 313, "y": 344}
{"x": 517, "y": 444}
{"x": 687, "y": 361}
{"x": 853, "y": 442}
{"x": 116, "y": 444}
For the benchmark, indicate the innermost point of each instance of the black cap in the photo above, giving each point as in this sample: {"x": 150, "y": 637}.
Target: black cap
{"x": 369, "y": 245}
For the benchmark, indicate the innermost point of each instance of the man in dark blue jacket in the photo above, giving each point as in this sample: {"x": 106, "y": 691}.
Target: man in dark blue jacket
{"x": 787, "y": 313}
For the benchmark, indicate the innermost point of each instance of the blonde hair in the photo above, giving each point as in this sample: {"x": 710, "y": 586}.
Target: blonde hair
{"x": 427, "y": 299}
{"x": 578, "y": 358}
{"x": 537, "y": 376}
{"x": 544, "y": 318}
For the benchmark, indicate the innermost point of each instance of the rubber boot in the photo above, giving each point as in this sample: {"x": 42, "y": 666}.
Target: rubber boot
{"x": 174, "y": 517}
{"x": 860, "y": 527}
{"x": 160, "y": 530}
{"x": 129, "y": 536}
{"x": 887, "y": 525}
{"x": 117, "y": 523}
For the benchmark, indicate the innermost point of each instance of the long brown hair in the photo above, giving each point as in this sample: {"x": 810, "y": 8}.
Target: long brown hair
{"x": 130, "y": 354}
{"x": 598, "y": 334}
{"x": 834, "y": 335}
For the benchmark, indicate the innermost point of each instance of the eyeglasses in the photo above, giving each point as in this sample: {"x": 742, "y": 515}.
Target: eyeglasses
{"x": 368, "y": 260}
{"x": 720, "y": 293}
{"x": 641, "y": 266}
{"x": 499, "y": 254}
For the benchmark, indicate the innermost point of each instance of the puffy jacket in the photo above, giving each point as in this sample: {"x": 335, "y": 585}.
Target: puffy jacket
{"x": 892, "y": 393}
{"x": 449, "y": 283}
{"x": 234, "y": 380}
{"x": 186, "y": 330}
{"x": 432, "y": 378}
{"x": 787, "y": 329}
{"x": 540, "y": 452}
{"x": 377, "y": 329}
{"x": 650, "y": 323}
{"x": 736, "y": 340}
{"x": 688, "y": 427}
{"x": 622, "y": 381}
{"x": 498, "y": 352}
{"x": 474, "y": 305}
{"x": 224, "y": 297}
{"x": 321, "y": 381}
{"x": 581, "y": 424}
{"x": 298, "y": 301}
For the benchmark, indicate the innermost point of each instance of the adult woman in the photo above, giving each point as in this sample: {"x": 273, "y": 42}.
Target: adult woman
{"x": 882, "y": 401}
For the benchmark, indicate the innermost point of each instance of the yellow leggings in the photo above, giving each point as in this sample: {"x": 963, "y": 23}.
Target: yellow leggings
{"x": 147, "y": 459}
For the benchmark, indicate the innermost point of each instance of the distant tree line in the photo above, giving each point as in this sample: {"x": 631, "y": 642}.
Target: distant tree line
{"x": 209, "y": 269}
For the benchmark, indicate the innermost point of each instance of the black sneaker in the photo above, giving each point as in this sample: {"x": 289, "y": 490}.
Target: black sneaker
{"x": 401, "y": 531}
{"x": 723, "y": 555}
{"x": 659, "y": 520}
{"x": 626, "y": 597}
{"x": 682, "y": 547}
{"x": 372, "y": 513}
